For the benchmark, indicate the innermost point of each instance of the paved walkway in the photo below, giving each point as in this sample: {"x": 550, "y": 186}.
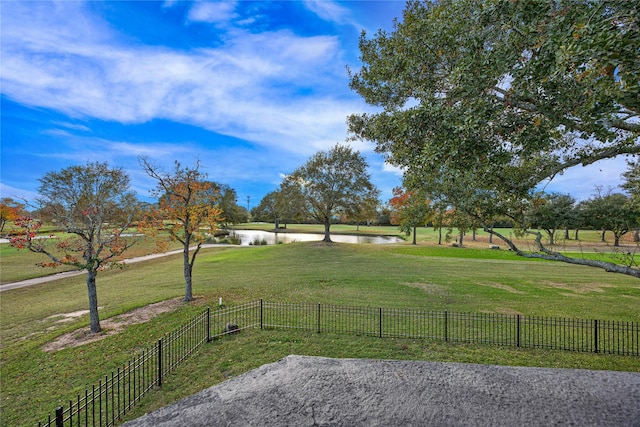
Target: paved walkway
{"x": 64, "y": 275}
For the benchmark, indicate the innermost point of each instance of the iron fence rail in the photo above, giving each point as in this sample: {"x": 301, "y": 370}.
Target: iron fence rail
{"x": 581, "y": 335}
{"x": 107, "y": 401}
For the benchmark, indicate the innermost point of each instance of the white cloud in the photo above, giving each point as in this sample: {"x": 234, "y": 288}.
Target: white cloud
{"x": 331, "y": 11}
{"x": 327, "y": 10}
{"x": 273, "y": 88}
{"x": 393, "y": 169}
{"x": 212, "y": 12}
{"x": 17, "y": 193}
{"x": 581, "y": 181}
{"x": 73, "y": 126}
{"x": 284, "y": 93}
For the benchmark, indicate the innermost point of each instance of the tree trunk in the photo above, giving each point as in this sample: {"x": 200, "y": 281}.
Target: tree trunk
{"x": 473, "y": 235}
{"x": 188, "y": 292}
{"x": 93, "y": 301}
{"x": 440, "y": 235}
{"x": 576, "y": 235}
{"x": 491, "y": 234}
{"x": 327, "y": 225}
{"x": 187, "y": 267}
{"x": 566, "y": 233}
{"x": 414, "y": 234}
{"x": 551, "y": 234}
{"x": 636, "y": 235}
{"x": 461, "y": 238}
{"x": 545, "y": 253}
{"x": 604, "y": 230}
{"x": 616, "y": 239}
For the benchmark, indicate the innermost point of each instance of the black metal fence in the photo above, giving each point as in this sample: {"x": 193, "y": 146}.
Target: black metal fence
{"x": 597, "y": 336}
{"x": 107, "y": 401}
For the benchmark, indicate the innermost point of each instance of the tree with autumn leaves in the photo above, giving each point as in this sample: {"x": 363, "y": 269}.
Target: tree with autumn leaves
{"x": 92, "y": 204}
{"x": 409, "y": 210}
{"x": 10, "y": 210}
{"x": 188, "y": 210}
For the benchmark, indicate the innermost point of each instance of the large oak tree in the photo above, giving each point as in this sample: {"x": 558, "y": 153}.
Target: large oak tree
{"x": 334, "y": 182}
{"x": 482, "y": 102}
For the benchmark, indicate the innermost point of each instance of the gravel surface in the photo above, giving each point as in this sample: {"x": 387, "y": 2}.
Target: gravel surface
{"x": 310, "y": 391}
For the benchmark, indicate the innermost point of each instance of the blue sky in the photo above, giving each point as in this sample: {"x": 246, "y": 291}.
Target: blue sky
{"x": 251, "y": 89}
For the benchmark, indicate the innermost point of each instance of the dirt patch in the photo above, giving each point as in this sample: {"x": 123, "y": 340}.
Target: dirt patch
{"x": 323, "y": 244}
{"x": 110, "y": 326}
{"x": 67, "y": 317}
{"x": 501, "y": 286}
{"x": 581, "y": 288}
{"x": 429, "y": 288}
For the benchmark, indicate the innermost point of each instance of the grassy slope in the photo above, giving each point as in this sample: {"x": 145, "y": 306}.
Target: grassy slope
{"x": 20, "y": 264}
{"x": 34, "y": 382}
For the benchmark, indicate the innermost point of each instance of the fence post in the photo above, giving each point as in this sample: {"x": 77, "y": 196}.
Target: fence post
{"x": 318, "y": 317}
{"x": 446, "y": 326}
{"x": 518, "y": 338}
{"x": 59, "y": 417}
{"x": 595, "y": 336}
{"x": 208, "y": 324}
{"x": 260, "y": 313}
{"x": 380, "y": 327}
{"x": 160, "y": 362}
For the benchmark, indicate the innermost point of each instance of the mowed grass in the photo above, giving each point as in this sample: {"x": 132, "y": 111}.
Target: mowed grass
{"x": 34, "y": 382}
{"x": 20, "y": 264}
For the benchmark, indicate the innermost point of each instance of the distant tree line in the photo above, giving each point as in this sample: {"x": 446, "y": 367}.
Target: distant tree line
{"x": 554, "y": 214}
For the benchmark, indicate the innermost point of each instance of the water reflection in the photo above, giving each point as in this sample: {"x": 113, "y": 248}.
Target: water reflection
{"x": 252, "y": 237}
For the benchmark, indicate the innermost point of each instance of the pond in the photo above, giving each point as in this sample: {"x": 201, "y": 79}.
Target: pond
{"x": 249, "y": 237}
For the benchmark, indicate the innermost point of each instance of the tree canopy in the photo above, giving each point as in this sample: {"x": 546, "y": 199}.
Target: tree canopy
{"x": 93, "y": 203}
{"x": 335, "y": 182}
{"x": 632, "y": 180}
{"x": 409, "y": 210}
{"x": 484, "y": 102}
{"x": 10, "y": 210}
{"x": 267, "y": 210}
{"x": 231, "y": 212}
{"x": 550, "y": 212}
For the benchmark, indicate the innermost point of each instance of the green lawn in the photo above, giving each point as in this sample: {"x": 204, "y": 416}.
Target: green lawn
{"x": 20, "y": 264}
{"x": 34, "y": 381}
